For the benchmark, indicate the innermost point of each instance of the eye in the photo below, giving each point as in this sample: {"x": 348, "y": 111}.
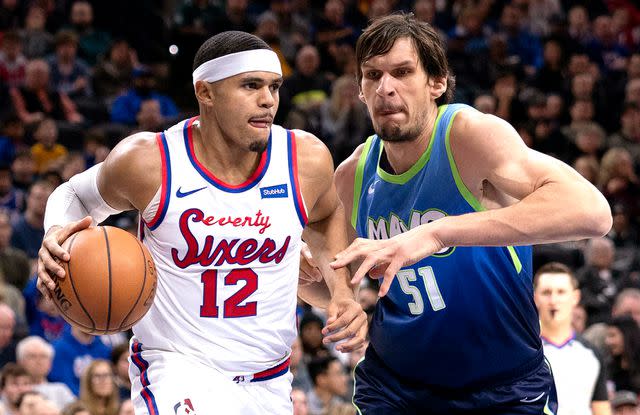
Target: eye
{"x": 402, "y": 72}
{"x": 251, "y": 85}
{"x": 275, "y": 87}
{"x": 372, "y": 74}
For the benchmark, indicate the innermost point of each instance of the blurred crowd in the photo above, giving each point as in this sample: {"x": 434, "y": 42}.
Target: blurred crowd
{"x": 78, "y": 76}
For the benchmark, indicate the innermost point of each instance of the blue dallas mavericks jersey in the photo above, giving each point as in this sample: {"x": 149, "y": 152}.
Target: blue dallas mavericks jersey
{"x": 464, "y": 317}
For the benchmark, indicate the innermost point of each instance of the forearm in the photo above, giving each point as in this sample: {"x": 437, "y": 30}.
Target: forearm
{"x": 76, "y": 199}
{"x": 316, "y": 294}
{"x": 552, "y": 213}
{"x": 326, "y": 238}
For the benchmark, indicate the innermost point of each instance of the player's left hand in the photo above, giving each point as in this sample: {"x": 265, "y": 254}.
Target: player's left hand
{"x": 346, "y": 321}
{"x": 384, "y": 258}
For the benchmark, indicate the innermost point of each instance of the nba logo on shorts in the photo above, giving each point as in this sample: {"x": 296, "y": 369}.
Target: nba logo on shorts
{"x": 184, "y": 407}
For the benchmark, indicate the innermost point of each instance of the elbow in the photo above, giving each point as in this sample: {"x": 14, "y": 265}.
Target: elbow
{"x": 598, "y": 217}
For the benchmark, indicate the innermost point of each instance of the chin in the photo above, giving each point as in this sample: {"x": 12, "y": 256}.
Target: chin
{"x": 259, "y": 146}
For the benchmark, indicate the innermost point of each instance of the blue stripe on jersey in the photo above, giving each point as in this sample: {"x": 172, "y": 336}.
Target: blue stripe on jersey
{"x": 143, "y": 366}
{"x": 167, "y": 184}
{"x": 295, "y": 192}
{"x": 465, "y": 316}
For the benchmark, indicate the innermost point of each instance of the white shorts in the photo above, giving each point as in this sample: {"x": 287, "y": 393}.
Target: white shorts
{"x": 168, "y": 383}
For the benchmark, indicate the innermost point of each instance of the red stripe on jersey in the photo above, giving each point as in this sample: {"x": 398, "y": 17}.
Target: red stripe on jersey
{"x": 294, "y": 166}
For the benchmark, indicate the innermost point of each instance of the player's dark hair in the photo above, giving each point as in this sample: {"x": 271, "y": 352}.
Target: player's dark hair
{"x": 318, "y": 366}
{"x": 226, "y": 43}
{"x": 555, "y": 268}
{"x": 380, "y": 36}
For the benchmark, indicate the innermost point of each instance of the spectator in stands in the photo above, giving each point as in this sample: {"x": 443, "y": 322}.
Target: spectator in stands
{"x": 14, "y": 381}
{"x": 625, "y": 403}
{"x": 521, "y": 44}
{"x": 579, "y": 319}
{"x": 23, "y": 170}
{"x": 311, "y": 336}
{"x": 627, "y": 303}
{"x": 126, "y": 407}
{"x": 604, "y": 47}
{"x": 76, "y": 408}
{"x": 36, "y": 356}
{"x": 14, "y": 263}
{"x": 47, "y": 152}
{"x": 70, "y": 75}
{"x": 98, "y": 390}
{"x": 590, "y": 141}
{"x": 36, "y": 100}
{"x": 7, "y": 330}
{"x": 235, "y": 17}
{"x": 578, "y": 370}
{"x": 12, "y": 139}
{"x": 92, "y": 42}
{"x": 588, "y": 167}
{"x": 623, "y": 344}
{"x": 120, "y": 363}
{"x": 43, "y": 317}
{"x": 28, "y": 401}
{"x": 300, "y": 404}
{"x": 598, "y": 280}
{"x": 268, "y": 29}
{"x": 304, "y": 92}
{"x": 11, "y": 199}
{"x": 12, "y": 61}
{"x": 579, "y": 25}
{"x": 28, "y": 230}
{"x": 628, "y": 137}
{"x": 329, "y": 383}
{"x": 112, "y": 75}
{"x": 10, "y": 11}
{"x": 126, "y": 106}
{"x": 149, "y": 117}
{"x": 37, "y": 41}
{"x": 298, "y": 367}
{"x": 344, "y": 118}
{"x": 618, "y": 180}
{"x": 74, "y": 351}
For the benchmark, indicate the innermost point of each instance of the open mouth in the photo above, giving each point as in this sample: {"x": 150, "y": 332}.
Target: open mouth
{"x": 262, "y": 122}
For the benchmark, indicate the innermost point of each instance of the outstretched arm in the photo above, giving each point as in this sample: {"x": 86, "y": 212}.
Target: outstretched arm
{"x": 532, "y": 198}
{"x": 126, "y": 180}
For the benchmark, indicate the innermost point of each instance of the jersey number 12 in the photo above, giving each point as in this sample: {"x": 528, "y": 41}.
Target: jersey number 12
{"x": 231, "y": 306}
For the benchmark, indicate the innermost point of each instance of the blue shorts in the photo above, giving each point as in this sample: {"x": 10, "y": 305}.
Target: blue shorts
{"x": 378, "y": 391}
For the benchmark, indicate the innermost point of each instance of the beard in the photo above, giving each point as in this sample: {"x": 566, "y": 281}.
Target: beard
{"x": 258, "y": 146}
{"x": 393, "y": 133}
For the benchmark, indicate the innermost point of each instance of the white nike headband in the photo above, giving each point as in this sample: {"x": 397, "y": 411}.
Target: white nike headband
{"x": 263, "y": 60}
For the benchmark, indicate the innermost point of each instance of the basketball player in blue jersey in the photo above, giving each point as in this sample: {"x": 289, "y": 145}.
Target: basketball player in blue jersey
{"x": 224, "y": 200}
{"x": 444, "y": 200}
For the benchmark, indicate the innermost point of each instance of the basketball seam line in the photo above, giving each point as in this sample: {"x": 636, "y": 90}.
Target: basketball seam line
{"x": 144, "y": 282}
{"x": 93, "y": 323}
{"x": 106, "y": 240}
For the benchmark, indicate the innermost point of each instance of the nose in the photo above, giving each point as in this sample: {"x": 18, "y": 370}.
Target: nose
{"x": 267, "y": 98}
{"x": 386, "y": 86}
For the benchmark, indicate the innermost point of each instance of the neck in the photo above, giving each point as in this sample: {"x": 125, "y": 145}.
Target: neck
{"x": 225, "y": 159}
{"x": 403, "y": 155}
{"x": 557, "y": 333}
{"x": 324, "y": 395}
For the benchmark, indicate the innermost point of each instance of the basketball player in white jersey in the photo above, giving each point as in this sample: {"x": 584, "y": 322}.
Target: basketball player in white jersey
{"x": 224, "y": 200}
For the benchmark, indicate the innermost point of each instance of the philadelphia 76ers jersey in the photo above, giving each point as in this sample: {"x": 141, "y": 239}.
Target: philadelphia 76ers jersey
{"x": 227, "y": 257}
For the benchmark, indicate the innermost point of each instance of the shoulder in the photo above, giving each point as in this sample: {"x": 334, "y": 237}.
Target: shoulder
{"x": 313, "y": 155}
{"x": 469, "y": 122}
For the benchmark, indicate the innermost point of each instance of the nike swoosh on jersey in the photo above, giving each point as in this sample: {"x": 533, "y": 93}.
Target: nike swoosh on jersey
{"x": 537, "y": 398}
{"x": 180, "y": 193}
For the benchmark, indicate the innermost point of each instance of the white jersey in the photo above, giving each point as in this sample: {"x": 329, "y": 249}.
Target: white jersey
{"x": 227, "y": 258}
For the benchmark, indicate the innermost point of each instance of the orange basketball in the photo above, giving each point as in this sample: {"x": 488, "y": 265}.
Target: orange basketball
{"x": 110, "y": 280}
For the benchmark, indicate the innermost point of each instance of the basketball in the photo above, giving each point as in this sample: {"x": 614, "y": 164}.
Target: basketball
{"x": 110, "y": 280}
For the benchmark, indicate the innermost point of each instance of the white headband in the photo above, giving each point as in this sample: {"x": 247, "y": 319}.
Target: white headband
{"x": 262, "y": 60}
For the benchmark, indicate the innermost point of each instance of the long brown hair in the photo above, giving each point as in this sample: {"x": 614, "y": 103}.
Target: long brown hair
{"x": 380, "y": 36}
{"x": 98, "y": 405}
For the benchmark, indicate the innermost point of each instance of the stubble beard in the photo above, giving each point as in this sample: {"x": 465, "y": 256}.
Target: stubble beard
{"x": 258, "y": 146}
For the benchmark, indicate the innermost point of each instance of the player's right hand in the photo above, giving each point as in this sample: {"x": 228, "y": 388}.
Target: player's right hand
{"x": 309, "y": 270}
{"x": 51, "y": 252}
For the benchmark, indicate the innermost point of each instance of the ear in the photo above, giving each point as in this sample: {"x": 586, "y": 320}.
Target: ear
{"x": 576, "y": 297}
{"x": 438, "y": 86}
{"x": 204, "y": 93}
